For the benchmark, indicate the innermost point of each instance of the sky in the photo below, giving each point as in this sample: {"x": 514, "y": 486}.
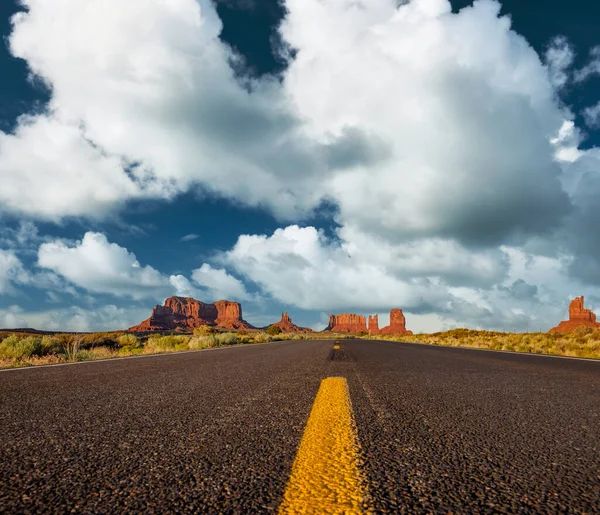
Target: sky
{"x": 309, "y": 156}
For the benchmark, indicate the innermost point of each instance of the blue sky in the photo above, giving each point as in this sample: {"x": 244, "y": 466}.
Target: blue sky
{"x": 310, "y": 157}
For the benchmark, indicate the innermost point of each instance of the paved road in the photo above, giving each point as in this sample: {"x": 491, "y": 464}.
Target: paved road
{"x": 441, "y": 430}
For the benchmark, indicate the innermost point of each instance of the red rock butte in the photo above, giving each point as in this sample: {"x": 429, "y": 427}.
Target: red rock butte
{"x": 578, "y": 316}
{"x": 350, "y": 323}
{"x": 184, "y": 313}
{"x": 397, "y": 323}
{"x": 287, "y": 326}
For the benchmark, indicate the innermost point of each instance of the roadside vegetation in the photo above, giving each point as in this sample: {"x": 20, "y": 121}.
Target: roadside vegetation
{"x": 584, "y": 342}
{"x": 24, "y": 349}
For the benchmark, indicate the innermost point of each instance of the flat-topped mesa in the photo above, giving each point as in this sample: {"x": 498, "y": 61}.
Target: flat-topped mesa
{"x": 578, "y": 316}
{"x": 373, "y": 324}
{"x": 287, "y": 326}
{"x": 397, "y": 323}
{"x": 229, "y": 315}
{"x": 347, "y": 323}
{"x": 185, "y": 313}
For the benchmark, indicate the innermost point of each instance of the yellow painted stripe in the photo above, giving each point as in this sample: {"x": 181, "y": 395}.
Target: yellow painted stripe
{"x": 325, "y": 476}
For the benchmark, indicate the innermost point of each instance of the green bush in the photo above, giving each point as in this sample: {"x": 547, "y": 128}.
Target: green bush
{"x": 159, "y": 343}
{"x": 226, "y": 339}
{"x": 128, "y": 340}
{"x": 204, "y": 330}
{"x": 583, "y": 330}
{"x": 22, "y": 347}
{"x": 68, "y": 344}
{"x": 262, "y": 338}
{"x": 206, "y": 341}
{"x": 92, "y": 340}
{"x": 274, "y": 330}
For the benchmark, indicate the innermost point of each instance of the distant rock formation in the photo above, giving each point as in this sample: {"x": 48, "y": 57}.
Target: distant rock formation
{"x": 373, "y": 324}
{"x": 397, "y": 323}
{"x": 184, "y": 313}
{"x": 347, "y": 323}
{"x": 287, "y": 326}
{"x": 578, "y": 316}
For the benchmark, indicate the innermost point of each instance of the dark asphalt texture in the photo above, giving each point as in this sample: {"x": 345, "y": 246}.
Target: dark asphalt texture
{"x": 442, "y": 430}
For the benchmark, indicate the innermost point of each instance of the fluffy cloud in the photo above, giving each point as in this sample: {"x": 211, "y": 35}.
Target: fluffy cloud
{"x": 301, "y": 267}
{"x": 99, "y": 266}
{"x": 166, "y": 114}
{"x": 591, "y": 68}
{"x": 11, "y": 272}
{"x": 73, "y": 318}
{"x": 591, "y": 115}
{"x": 145, "y": 103}
{"x": 439, "y": 284}
{"x": 559, "y": 58}
{"x": 463, "y": 106}
{"x": 50, "y": 171}
{"x": 219, "y": 284}
{"x": 459, "y": 146}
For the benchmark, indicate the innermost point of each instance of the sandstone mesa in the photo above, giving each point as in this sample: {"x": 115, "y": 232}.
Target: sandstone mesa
{"x": 578, "y": 316}
{"x": 184, "y": 313}
{"x": 350, "y": 323}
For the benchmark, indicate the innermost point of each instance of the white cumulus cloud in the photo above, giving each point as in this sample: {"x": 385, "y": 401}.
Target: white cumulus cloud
{"x": 99, "y": 266}
{"x": 145, "y": 103}
{"x": 219, "y": 283}
{"x": 12, "y": 272}
{"x": 462, "y": 104}
{"x": 438, "y": 138}
{"x": 559, "y": 58}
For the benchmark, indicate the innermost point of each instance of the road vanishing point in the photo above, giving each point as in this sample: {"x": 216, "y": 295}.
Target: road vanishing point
{"x": 303, "y": 427}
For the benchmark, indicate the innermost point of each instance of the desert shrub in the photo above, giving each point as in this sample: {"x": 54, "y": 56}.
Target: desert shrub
{"x": 273, "y": 330}
{"x": 262, "y": 338}
{"x": 130, "y": 351}
{"x": 18, "y": 347}
{"x": 68, "y": 344}
{"x": 206, "y": 341}
{"x": 4, "y": 335}
{"x": 96, "y": 353}
{"x": 50, "y": 345}
{"x": 204, "y": 330}
{"x": 227, "y": 339}
{"x": 582, "y": 330}
{"x": 128, "y": 340}
{"x": 159, "y": 343}
{"x": 245, "y": 338}
{"x": 91, "y": 340}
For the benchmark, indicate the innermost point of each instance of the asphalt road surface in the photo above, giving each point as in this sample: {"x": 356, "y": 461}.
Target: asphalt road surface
{"x": 440, "y": 430}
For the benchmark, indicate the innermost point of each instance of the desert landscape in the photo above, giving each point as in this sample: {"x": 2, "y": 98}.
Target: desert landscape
{"x": 184, "y": 323}
{"x": 299, "y": 257}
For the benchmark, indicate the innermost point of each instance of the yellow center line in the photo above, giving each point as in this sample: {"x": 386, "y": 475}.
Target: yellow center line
{"x": 325, "y": 476}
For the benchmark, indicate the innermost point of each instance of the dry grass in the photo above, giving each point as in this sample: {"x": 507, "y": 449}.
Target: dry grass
{"x": 584, "y": 342}
{"x": 22, "y": 350}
